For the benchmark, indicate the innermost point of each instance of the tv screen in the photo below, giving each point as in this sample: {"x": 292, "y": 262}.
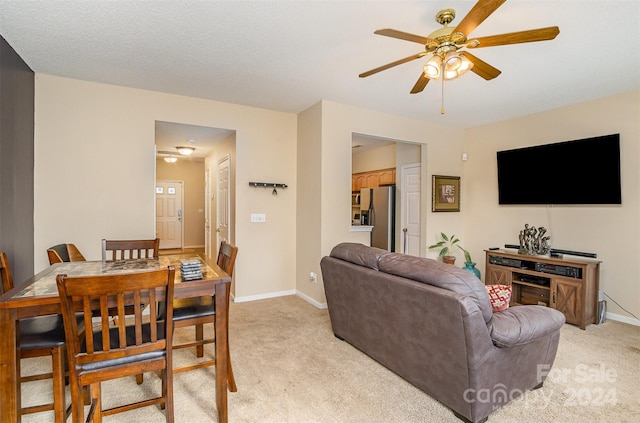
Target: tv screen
{"x": 585, "y": 171}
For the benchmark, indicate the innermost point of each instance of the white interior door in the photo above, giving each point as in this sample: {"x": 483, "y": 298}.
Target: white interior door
{"x": 224, "y": 202}
{"x": 410, "y": 243}
{"x": 169, "y": 213}
{"x": 208, "y": 198}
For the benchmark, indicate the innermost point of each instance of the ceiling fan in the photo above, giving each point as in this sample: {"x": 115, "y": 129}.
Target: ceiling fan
{"x": 446, "y": 45}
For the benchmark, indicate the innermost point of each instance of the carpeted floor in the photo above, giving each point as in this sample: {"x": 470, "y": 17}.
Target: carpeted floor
{"x": 290, "y": 368}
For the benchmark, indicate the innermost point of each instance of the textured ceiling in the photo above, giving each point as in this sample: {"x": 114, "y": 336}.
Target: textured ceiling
{"x": 288, "y": 55}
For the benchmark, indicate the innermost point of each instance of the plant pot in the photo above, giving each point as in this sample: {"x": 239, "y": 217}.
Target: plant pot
{"x": 449, "y": 259}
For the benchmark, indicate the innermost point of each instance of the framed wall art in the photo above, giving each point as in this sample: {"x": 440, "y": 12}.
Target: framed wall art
{"x": 445, "y": 194}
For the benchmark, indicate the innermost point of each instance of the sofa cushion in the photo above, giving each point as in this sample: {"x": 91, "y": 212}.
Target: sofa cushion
{"x": 438, "y": 274}
{"x": 359, "y": 254}
{"x": 499, "y": 295}
{"x": 524, "y": 324}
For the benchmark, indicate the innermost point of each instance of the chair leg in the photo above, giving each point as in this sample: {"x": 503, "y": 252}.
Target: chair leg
{"x": 232, "y": 379}
{"x": 167, "y": 393}
{"x": 57, "y": 368}
{"x": 200, "y": 337}
{"x": 78, "y": 400}
{"x": 95, "y": 413}
{"x": 140, "y": 378}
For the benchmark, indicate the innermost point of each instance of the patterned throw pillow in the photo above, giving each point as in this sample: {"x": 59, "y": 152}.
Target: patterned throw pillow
{"x": 500, "y": 295}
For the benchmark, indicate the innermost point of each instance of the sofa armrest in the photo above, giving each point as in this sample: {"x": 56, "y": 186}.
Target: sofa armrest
{"x": 521, "y": 325}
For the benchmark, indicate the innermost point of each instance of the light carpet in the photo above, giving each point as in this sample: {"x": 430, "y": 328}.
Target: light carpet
{"x": 290, "y": 368}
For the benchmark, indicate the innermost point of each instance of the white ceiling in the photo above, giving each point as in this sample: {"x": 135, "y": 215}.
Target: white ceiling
{"x": 288, "y": 55}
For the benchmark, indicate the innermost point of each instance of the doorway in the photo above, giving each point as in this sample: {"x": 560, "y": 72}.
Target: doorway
{"x": 408, "y": 160}
{"x": 197, "y": 172}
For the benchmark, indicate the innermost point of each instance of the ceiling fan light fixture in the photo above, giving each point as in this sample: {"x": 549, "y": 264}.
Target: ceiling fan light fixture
{"x": 433, "y": 67}
{"x": 456, "y": 64}
{"x": 185, "y": 151}
{"x": 452, "y": 61}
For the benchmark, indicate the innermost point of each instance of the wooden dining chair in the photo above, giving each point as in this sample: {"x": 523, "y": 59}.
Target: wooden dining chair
{"x": 64, "y": 253}
{"x": 40, "y": 337}
{"x": 132, "y": 249}
{"x": 200, "y": 311}
{"x": 136, "y": 344}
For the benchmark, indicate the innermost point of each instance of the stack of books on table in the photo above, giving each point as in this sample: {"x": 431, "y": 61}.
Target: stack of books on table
{"x": 190, "y": 270}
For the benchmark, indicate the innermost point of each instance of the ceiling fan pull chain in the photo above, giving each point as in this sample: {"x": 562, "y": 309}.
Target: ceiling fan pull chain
{"x": 442, "y": 100}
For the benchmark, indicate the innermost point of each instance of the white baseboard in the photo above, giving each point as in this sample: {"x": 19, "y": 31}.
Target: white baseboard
{"x": 279, "y": 294}
{"x": 311, "y": 300}
{"x": 623, "y": 319}
{"x": 264, "y": 296}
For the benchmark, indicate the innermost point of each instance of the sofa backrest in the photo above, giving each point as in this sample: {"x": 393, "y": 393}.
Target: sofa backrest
{"x": 359, "y": 254}
{"x": 420, "y": 269}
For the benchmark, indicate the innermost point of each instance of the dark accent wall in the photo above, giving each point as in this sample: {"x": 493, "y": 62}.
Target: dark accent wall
{"x": 17, "y": 89}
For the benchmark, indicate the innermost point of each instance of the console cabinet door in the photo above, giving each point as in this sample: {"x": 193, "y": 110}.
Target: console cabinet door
{"x": 496, "y": 275}
{"x": 566, "y": 297}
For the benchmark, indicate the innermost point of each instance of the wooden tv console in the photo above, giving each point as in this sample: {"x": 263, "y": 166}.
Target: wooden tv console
{"x": 569, "y": 285}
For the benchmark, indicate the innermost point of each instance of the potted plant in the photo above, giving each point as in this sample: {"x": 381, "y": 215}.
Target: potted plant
{"x": 446, "y": 245}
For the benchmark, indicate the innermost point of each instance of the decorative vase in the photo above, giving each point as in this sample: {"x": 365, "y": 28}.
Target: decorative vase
{"x": 449, "y": 259}
{"x": 471, "y": 267}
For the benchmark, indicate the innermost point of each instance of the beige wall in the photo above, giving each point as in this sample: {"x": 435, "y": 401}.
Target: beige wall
{"x": 191, "y": 173}
{"x": 95, "y": 173}
{"x": 378, "y": 158}
{"x": 331, "y": 140}
{"x": 613, "y": 232}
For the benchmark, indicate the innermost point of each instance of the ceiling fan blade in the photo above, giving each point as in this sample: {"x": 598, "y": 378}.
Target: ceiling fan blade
{"x": 394, "y": 33}
{"x": 482, "y": 68}
{"x": 541, "y": 34}
{"x": 420, "y": 84}
{"x": 392, "y": 64}
{"x": 477, "y": 15}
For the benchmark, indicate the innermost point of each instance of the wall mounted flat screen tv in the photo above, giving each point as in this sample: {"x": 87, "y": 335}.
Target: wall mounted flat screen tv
{"x": 585, "y": 171}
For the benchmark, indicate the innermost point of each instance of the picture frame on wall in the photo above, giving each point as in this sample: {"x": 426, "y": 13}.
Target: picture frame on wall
{"x": 445, "y": 193}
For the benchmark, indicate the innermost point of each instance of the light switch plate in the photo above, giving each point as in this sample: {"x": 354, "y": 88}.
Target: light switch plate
{"x": 258, "y": 217}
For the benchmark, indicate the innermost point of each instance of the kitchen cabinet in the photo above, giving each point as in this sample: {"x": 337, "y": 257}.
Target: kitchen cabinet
{"x": 373, "y": 179}
{"x": 387, "y": 177}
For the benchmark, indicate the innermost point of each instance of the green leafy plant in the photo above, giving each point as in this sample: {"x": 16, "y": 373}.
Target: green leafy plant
{"x": 467, "y": 256}
{"x": 447, "y": 245}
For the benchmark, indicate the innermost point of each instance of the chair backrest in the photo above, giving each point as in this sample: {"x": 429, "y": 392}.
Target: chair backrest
{"x": 227, "y": 257}
{"x": 5, "y": 273}
{"x": 64, "y": 253}
{"x": 120, "y": 339}
{"x": 130, "y": 249}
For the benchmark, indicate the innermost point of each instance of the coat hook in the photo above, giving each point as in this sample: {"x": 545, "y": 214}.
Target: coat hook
{"x": 274, "y": 192}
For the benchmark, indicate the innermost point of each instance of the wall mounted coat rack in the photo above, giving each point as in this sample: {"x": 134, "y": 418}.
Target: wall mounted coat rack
{"x": 268, "y": 185}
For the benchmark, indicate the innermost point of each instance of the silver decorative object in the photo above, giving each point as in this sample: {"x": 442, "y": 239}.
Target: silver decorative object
{"x": 534, "y": 240}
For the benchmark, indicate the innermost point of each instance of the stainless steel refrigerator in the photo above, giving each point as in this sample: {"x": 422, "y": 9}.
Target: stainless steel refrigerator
{"x": 379, "y": 207}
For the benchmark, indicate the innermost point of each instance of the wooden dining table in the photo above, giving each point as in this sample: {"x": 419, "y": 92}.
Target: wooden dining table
{"x": 38, "y": 296}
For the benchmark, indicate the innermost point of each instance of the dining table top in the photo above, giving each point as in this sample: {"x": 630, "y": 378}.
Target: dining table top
{"x": 43, "y": 284}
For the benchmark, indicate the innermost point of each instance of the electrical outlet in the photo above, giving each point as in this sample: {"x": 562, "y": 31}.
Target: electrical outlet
{"x": 313, "y": 277}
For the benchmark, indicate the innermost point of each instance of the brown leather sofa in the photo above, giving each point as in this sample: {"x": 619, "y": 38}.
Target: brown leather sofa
{"x": 432, "y": 324}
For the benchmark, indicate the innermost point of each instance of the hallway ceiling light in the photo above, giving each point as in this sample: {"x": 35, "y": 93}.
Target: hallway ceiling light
{"x": 170, "y": 159}
{"x": 185, "y": 151}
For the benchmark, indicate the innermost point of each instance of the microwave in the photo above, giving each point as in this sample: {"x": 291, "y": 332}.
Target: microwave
{"x": 355, "y": 199}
